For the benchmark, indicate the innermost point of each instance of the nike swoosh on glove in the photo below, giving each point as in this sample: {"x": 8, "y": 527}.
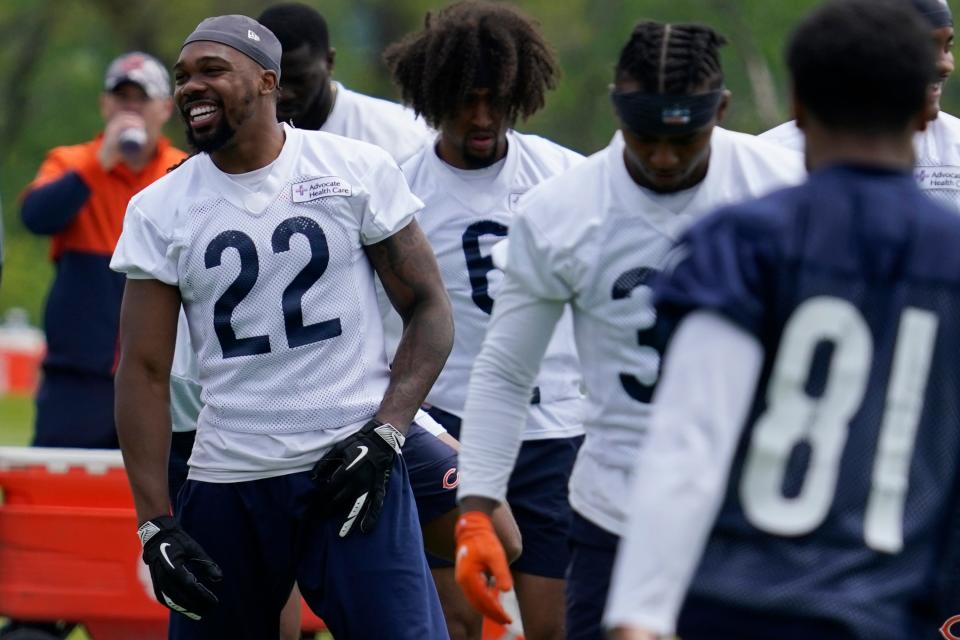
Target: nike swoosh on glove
{"x": 482, "y": 567}
{"x": 353, "y": 476}
{"x": 169, "y": 551}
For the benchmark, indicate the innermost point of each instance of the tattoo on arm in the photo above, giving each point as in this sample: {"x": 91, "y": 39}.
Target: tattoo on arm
{"x": 410, "y": 276}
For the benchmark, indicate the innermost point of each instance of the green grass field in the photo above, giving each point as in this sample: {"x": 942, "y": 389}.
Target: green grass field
{"x": 16, "y": 420}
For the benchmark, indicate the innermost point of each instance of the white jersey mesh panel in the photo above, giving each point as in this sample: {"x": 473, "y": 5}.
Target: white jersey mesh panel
{"x": 466, "y": 213}
{"x": 298, "y": 360}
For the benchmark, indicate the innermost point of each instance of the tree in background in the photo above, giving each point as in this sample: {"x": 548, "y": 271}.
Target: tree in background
{"x": 55, "y": 50}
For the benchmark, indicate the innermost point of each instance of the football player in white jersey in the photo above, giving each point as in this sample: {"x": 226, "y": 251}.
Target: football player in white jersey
{"x": 471, "y": 72}
{"x": 309, "y": 99}
{"x": 592, "y": 239}
{"x": 270, "y": 239}
{"x": 804, "y": 438}
{"x": 938, "y": 147}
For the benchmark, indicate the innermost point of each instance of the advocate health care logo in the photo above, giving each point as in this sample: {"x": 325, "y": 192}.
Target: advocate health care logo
{"x": 947, "y": 629}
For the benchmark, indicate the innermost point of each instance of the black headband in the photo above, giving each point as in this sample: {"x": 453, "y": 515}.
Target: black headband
{"x": 936, "y": 12}
{"x": 665, "y": 115}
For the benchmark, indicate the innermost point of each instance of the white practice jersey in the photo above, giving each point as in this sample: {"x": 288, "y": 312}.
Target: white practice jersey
{"x": 937, "y": 149}
{"x": 278, "y": 295}
{"x": 938, "y": 160}
{"x": 386, "y": 124}
{"x": 185, "y": 391}
{"x": 465, "y": 214}
{"x": 594, "y": 238}
{"x": 786, "y": 135}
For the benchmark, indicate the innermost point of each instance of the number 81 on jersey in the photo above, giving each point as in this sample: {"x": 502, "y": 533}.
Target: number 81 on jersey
{"x": 793, "y": 416}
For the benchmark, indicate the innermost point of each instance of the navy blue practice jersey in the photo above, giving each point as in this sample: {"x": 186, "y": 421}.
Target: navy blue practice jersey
{"x": 842, "y": 491}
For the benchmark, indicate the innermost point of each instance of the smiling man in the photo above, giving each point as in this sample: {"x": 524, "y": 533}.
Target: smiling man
{"x": 270, "y": 238}
{"x": 310, "y": 99}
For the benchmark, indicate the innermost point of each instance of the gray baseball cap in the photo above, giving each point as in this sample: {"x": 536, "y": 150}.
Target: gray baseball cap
{"x": 244, "y": 34}
{"x": 142, "y": 70}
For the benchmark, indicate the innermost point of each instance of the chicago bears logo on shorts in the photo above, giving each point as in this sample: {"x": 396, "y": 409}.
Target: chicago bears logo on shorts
{"x": 946, "y": 629}
{"x": 451, "y": 479}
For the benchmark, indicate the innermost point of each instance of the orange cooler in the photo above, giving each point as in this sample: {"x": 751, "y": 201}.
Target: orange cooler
{"x": 69, "y": 548}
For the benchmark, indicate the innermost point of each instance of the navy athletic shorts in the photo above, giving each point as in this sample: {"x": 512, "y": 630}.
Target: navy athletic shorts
{"x": 181, "y": 446}
{"x": 703, "y": 619}
{"x": 592, "y": 552}
{"x": 264, "y": 535}
{"x": 75, "y": 410}
{"x": 431, "y": 465}
{"x": 537, "y": 495}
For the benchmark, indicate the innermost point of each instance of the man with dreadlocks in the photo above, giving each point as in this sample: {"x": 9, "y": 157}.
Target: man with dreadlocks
{"x": 937, "y": 167}
{"x": 474, "y": 69}
{"x": 593, "y": 239}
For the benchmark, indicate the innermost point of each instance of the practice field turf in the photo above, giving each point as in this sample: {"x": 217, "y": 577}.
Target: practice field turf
{"x": 16, "y": 420}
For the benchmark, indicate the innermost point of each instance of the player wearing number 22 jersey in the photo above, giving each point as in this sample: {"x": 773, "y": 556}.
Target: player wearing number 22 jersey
{"x": 282, "y": 311}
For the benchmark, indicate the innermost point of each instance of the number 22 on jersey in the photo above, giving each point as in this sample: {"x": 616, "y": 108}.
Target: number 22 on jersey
{"x": 792, "y": 416}
{"x": 298, "y": 334}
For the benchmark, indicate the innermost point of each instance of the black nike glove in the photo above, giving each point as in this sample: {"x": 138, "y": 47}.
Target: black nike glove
{"x": 171, "y": 553}
{"x": 353, "y": 476}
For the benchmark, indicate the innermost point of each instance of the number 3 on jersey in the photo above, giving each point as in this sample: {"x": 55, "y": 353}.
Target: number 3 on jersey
{"x": 298, "y": 334}
{"x": 623, "y": 287}
{"x": 792, "y": 417}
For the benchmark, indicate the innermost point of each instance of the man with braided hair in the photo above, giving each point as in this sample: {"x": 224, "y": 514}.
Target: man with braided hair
{"x": 804, "y": 438}
{"x": 592, "y": 239}
{"x": 938, "y": 146}
{"x": 471, "y": 72}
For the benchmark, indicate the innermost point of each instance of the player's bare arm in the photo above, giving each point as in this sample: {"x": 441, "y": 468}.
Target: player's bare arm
{"x": 408, "y": 270}
{"x": 148, "y": 327}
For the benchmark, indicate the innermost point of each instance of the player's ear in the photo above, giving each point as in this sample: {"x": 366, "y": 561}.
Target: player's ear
{"x": 798, "y": 111}
{"x": 724, "y": 105}
{"x": 269, "y": 82}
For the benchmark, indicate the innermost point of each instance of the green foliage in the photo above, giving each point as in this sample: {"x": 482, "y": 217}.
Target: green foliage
{"x": 55, "y": 53}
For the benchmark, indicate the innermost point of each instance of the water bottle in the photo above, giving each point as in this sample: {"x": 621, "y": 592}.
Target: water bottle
{"x": 131, "y": 141}
{"x": 21, "y": 351}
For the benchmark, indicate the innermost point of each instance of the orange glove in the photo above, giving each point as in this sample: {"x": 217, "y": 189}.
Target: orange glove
{"x": 480, "y": 556}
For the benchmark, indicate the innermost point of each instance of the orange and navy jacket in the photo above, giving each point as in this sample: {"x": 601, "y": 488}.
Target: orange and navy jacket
{"x": 82, "y": 206}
